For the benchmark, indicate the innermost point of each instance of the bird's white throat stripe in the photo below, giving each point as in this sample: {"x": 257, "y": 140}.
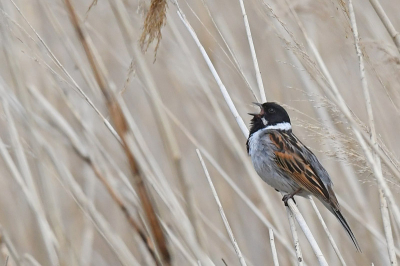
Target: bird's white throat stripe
{"x": 265, "y": 122}
{"x": 280, "y": 126}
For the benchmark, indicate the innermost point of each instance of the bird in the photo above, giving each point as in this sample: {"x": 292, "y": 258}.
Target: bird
{"x": 286, "y": 164}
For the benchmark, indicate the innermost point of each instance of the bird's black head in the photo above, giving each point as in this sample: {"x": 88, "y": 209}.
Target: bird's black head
{"x": 271, "y": 114}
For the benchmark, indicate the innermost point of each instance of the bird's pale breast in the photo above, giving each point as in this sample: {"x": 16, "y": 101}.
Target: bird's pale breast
{"x": 261, "y": 151}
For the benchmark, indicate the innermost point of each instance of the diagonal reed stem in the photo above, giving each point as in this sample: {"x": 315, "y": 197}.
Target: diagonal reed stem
{"x": 122, "y": 129}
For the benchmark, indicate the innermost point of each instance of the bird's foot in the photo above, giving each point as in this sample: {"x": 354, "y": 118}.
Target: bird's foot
{"x": 290, "y": 196}
{"x": 287, "y": 197}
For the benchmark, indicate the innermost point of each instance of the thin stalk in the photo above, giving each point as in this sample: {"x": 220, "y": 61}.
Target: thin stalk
{"x": 49, "y": 239}
{"x": 122, "y": 129}
{"x": 57, "y": 62}
{"x": 231, "y": 52}
{"x": 387, "y": 229}
{"x": 224, "y": 92}
{"x": 88, "y": 158}
{"x": 273, "y": 248}
{"x": 370, "y": 228}
{"x": 220, "y": 234}
{"x": 69, "y": 46}
{"x": 253, "y": 53}
{"x": 386, "y": 22}
{"x": 381, "y": 181}
{"x": 178, "y": 244}
{"x": 20, "y": 155}
{"x": 163, "y": 186}
{"x": 29, "y": 258}
{"x": 303, "y": 225}
{"x": 221, "y": 211}
{"x": 169, "y": 139}
{"x": 103, "y": 227}
{"x": 4, "y": 238}
{"x": 297, "y": 248}
{"x": 331, "y": 240}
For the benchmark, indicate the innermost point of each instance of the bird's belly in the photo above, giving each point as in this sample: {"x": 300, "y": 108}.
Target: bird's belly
{"x": 271, "y": 174}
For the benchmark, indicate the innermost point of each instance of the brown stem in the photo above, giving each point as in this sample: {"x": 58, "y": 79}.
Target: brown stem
{"x": 122, "y": 205}
{"x": 122, "y": 129}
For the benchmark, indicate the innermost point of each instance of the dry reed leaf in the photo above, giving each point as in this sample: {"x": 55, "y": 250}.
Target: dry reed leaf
{"x": 94, "y": 2}
{"x": 154, "y": 21}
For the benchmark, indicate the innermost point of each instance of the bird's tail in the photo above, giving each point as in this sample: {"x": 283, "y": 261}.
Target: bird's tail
{"x": 344, "y": 223}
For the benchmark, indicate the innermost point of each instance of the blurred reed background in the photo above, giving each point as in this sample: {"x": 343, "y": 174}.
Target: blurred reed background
{"x": 98, "y": 139}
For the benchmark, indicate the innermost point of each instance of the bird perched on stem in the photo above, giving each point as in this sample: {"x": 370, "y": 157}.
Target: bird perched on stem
{"x": 286, "y": 164}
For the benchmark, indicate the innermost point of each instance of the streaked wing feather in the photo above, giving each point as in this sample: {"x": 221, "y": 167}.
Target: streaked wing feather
{"x": 290, "y": 158}
{"x": 294, "y": 158}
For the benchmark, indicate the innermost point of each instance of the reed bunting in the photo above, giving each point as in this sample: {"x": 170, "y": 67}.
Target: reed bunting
{"x": 286, "y": 164}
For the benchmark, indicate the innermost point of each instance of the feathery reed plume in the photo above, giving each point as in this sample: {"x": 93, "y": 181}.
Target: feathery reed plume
{"x": 154, "y": 21}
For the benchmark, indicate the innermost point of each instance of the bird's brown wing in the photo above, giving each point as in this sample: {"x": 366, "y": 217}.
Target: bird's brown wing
{"x": 303, "y": 167}
{"x": 289, "y": 157}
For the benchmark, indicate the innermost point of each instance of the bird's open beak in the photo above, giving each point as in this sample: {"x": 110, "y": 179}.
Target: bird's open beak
{"x": 259, "y": 105}
{"x": 253, "y": 114}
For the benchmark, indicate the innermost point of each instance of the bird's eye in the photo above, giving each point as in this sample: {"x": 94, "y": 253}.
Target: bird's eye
{"x": 271, "y": 110}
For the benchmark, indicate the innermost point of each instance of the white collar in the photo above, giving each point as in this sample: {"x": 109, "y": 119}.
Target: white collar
{"x": 281, "y": 126}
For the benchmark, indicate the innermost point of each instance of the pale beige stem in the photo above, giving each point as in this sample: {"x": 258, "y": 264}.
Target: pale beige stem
{"x": 221, "y": 211}
{"x": 386, "y": 22}
{"x": 381, "y": 180}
